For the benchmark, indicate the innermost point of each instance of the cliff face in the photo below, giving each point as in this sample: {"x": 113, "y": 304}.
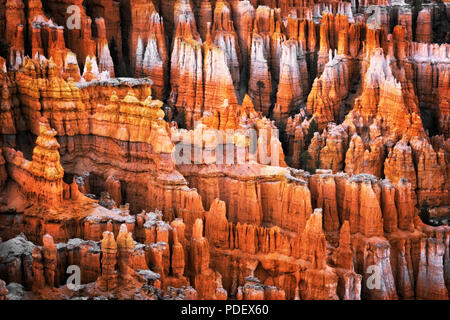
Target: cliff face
{"x": 224, "y": 150}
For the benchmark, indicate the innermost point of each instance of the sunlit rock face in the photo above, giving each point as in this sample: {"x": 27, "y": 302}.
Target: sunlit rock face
{"x": 224, "y": 150}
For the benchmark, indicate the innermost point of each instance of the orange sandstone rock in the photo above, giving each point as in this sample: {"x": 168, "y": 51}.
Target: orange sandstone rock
{"x": 260, "y": 83}
{"x": 314, "y": 251}
{"x": 291, "y": 87}
{"x": 44, "y": 170}
{"x": 423, "y": 33}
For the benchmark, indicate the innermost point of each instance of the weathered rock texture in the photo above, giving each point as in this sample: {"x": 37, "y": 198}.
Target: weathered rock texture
{"x": 224, "y": 150}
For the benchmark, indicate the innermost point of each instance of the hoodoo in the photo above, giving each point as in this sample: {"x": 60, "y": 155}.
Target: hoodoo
{"x": 224, "y": 150}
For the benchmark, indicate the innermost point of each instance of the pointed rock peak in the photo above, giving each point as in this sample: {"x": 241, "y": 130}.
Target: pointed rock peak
{"x": 175, "y": 240}
{"x": 140, "y": 45}
{"x": 3, "y": 65}
{"x": 91, "y": 65}
{"x": 218, "y": 207}
{"x": 123, "y": 229}
{"x": 379, "y": 69}
{"x": 247, "y": 103}
{"x": 45, "y": 129}
{"x": 124, "y": 238}
{"x": 255, "y": 28}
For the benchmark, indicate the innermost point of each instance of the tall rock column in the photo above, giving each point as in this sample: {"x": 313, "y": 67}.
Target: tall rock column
{"x": 358, "y": 159}
{"x": 424, "y": 27}
{"x": 349, "y": 285}
{"x": 324, "y": 46}
{"x": 244, "y": 15}
{"x": 405, "y": 19}
{"x": 260, "y": 83}
{"x": 135, "y": 17}
{"x": 108, "y": 279}
{"x": 45, "y": 171}
{"x": 276, "y": 40}
{"x": 216, "y": 225}
{"x": 318, "y": 281}
{"x": 205, "y": 16}
{"x": 290, "y": 91}
{"x": 399, "y": 163}
{"x": 105, "y": 62}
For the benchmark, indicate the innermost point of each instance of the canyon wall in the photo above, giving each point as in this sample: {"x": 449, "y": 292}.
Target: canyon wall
{"x": 224, "y": 150}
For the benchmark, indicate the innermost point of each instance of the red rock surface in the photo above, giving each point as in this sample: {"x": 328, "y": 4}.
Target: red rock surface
{"x": 424, "y": 33}
{"x": 155, "y": 58}
{"x": 223, "y": 34}
{"x": 292, "y": 86}
{"x": 261, "y": 150}
{"x": 45, "y": 168}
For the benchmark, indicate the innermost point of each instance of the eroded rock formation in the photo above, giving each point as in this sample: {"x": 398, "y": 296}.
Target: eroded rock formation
{"x": 261, "y": 150}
